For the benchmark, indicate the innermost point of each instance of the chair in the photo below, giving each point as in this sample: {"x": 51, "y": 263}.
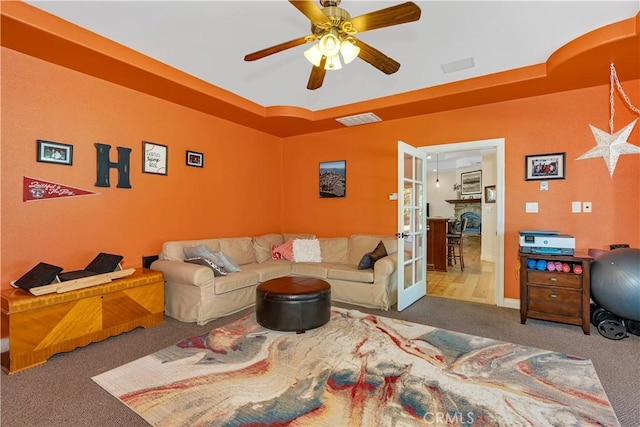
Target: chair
{"x": 454, "y": 245}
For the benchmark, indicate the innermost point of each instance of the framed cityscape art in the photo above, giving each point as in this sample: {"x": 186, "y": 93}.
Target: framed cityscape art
{"x": 333, "y": 179}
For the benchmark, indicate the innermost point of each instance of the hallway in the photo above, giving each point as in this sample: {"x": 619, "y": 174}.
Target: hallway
{"x": 475, "y": 284}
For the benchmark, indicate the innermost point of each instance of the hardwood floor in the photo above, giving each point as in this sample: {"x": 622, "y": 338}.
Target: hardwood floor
{"x": 476, "y": 283}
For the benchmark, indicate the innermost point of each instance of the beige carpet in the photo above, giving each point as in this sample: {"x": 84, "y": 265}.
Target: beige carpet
{"x": 358, "y": 370}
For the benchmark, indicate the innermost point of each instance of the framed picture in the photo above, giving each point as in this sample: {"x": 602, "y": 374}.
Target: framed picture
{"x": 333, "y": 179}
{"x": 55, "y": 152}
{"x": 544, "y": 166}
{"x": 471, "y": 182}
{"x": 154, "y": 158}
{"x": 490, "y": 194}
{"x": 195, "y": 159}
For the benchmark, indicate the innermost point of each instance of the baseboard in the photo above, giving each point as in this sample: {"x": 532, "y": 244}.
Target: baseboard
{"x": 4, "y": 345}
{"x": 511, "y": 303}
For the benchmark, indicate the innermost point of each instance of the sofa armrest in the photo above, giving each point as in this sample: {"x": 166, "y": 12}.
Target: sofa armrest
{"x": 184, "y": 272}
{"x": 386, "y": 266}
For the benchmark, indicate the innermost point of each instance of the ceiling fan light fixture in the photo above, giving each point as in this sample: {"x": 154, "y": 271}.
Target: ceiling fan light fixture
{"x": 329, "y": 44}
{"x": 313, "y": 55}
{"x": 349, "y": 51}
{"x": 333, "y": 63}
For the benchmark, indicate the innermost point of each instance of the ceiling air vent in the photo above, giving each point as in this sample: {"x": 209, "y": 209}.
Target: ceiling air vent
{"x": 360, "y": 119}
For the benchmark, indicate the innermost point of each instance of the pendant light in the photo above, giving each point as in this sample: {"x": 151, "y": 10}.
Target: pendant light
{"x": 437, "y": 170}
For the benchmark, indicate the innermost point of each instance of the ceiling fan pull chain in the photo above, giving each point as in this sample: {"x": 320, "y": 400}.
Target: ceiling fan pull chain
{"x": 616, "y": 83}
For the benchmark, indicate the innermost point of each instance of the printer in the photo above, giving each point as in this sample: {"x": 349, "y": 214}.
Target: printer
{"x": 542, "y": 242}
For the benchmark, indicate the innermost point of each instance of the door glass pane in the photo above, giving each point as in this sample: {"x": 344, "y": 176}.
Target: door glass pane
{"x": 419, "y": 165}
{"x": 418, "y": 193}
{"x": 408, "y": 166}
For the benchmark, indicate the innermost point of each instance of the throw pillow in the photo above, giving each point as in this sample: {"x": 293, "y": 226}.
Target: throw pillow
{"x": 201, "y": 251}
{"x": 286, "y": 250}
{"x": 229, "y": 264}
{"x": 274, "y": 253}
{"x": 217, "y": 271}
{"x": 369, "y": 259}
{"x": 365, "y": 263}
{"x": 306, "y": 250}
{"x": 379, "y": 252}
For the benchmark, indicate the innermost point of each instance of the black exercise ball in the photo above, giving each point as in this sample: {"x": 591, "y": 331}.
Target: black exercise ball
{"x": 615, "y": 282}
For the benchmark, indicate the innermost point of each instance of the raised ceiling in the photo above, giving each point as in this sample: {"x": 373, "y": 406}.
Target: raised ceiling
{"x": 208, "y": 40}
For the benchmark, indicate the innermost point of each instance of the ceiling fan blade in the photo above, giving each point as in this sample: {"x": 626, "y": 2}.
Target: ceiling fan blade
{"x": 275, "y": 49}
{"x": 376, "y": 58}
{"x": 394, "y": 15}
{"x": 310, "y": 9}
{"x": 317, "y": 75}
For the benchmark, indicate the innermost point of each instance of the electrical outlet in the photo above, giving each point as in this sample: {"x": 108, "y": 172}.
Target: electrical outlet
{"x": 544, "y": 186}
{"x": 575, "y": 207}
{"x": 586, "y": 207}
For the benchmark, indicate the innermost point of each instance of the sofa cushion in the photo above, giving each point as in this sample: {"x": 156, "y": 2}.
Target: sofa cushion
{"x": 262, "y": 245}
{"x": 239, "y": 249}
{"x": 289, "y": 236}
{"x": 232, "y": 282}
{"x": 217, "y": 271}
{"x": 270, "y": 269}
{"x": 311, "y": 269}
{"x": 334, "y": 249}
{"x": 350, "y": 273}
{"x": 306, "y": 250}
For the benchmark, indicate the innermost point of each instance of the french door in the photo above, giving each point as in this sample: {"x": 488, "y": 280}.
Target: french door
{"x": 412, "y": 230}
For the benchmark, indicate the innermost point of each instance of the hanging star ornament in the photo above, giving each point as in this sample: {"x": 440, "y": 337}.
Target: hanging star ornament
{"x": 611, "y": 146}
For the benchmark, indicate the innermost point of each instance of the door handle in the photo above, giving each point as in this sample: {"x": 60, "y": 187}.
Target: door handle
{"x": 401, "y": 235}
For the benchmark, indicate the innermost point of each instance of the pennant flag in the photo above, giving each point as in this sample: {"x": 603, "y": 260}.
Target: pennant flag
{"x": 38, "y": 189}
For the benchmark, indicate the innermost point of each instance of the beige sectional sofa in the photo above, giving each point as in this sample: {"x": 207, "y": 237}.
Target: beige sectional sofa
{"x": 194, "y": 294}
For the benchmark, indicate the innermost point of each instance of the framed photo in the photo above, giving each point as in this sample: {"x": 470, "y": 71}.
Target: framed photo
{"x": 195, "y": 159}
{"x": 471, "y": 182}
{"x": 333, "y": 179}
{"x": 154, "y": 158}
{"x": 490, "y": 194}
{"x": 55, "y": 152}
{"x": 544, "y": 166}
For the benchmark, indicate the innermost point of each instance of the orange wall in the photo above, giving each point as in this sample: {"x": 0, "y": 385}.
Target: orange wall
{"x": 254, "y": 183}
{"x": 544, "y": 124}
{"x": 236, "y": 193}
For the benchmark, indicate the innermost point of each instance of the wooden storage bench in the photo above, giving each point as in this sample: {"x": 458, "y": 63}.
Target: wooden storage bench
{"x": 41, "y": 326}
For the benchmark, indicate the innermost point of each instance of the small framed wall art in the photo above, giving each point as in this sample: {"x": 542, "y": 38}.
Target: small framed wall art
{"x": 471, "y": 182}
{"x": 544, "y": 166}
{"x": 333, "y": 179}
{"x": 490, "y": 194}
{"x": 195, "y": 159}
{"x": 154, "y": 158}
{"x": 55, "y": 152}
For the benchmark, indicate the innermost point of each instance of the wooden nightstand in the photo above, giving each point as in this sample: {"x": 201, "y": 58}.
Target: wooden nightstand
{"x": 556, "y": 295}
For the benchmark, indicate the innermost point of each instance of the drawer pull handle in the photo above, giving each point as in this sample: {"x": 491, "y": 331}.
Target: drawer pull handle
{"x": 554, "y": 279}
{"x": 554, "y": 296}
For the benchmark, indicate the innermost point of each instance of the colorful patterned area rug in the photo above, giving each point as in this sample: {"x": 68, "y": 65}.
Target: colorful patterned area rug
{"x": 358, "y": 370}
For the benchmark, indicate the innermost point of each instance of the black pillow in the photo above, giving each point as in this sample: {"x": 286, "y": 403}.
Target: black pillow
{"x": 370, "y": 258}
{"x": 379, "y": 252}
{"x": 365, "y": 262}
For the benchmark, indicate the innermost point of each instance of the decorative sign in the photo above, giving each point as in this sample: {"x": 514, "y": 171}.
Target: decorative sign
{"x": 154, "y": 158}
{"x": 38, "y": 189}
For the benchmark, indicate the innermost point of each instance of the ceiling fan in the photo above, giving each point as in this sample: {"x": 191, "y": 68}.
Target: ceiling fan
{"x": 335, "y": 30}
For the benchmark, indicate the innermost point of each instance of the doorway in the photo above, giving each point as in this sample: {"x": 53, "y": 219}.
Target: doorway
{"x": 491, "y": 245}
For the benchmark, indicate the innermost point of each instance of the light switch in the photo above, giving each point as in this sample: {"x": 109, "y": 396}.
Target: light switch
{"x": 393, "y": 196}
{"x": 531, "y": 207}
{"x": 586, "y": 207}
{"x": 544, "y": 185}
{"x": 575, "y": 207}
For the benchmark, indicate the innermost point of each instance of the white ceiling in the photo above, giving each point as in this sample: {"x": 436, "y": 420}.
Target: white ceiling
{"x": 209, "y": 39}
